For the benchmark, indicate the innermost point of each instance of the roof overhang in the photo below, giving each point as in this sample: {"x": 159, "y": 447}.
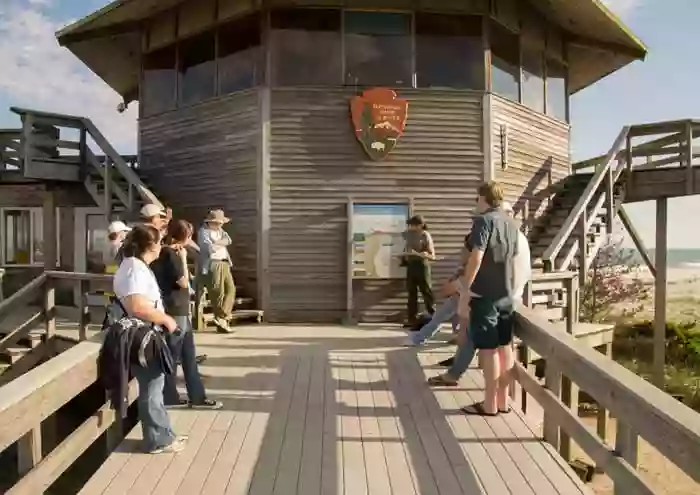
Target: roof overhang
{"x": 108, "y": 41}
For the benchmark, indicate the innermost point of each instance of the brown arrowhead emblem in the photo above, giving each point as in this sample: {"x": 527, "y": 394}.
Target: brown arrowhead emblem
{"x": 379, "y": 118}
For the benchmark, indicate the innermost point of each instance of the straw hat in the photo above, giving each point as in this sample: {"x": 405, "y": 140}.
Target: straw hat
{"x": 217, "y": 216}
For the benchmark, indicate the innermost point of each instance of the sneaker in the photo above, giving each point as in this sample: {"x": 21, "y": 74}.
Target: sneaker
{"x": 207, "y": 404}
{"x": 409, "y": 343}
{"x": 222, "y": 325}
{"x": 177, "y": 445}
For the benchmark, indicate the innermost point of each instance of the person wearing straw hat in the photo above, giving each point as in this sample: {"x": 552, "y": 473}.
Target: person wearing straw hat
{"x": 215, "y": 268}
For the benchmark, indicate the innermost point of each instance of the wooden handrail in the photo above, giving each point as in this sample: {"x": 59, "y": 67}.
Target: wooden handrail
{"x": 23, "y": 295}
{"x": 588, "y": 194}
{"x": 668, "y": 425}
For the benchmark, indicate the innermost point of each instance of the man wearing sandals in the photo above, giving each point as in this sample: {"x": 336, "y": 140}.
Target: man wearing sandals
{"x": 459, "y": 363}
{"x": 486, "y": 302}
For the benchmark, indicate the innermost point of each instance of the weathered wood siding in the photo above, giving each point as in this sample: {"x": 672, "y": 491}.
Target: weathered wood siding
{"x": 205, "y": 157}
{"x": 316, "y": 164}
{"x": 537, "y": 156}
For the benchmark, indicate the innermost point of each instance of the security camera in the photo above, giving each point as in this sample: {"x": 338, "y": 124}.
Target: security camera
{"x": 121, "y": 107}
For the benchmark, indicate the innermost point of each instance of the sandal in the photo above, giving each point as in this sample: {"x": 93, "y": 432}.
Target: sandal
{"x": 441, "y": 381}
{"x": 477, "y": 409}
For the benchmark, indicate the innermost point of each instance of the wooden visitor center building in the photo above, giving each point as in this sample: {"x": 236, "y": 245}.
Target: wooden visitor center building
{"x": 246, "y": 106}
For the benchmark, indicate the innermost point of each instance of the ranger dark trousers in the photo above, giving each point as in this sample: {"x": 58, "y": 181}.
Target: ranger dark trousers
{"x": 418, "y": 278}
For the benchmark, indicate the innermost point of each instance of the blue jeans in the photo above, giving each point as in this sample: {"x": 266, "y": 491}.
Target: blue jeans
{"x": 463, "y": 357}
{"x": 446, "y": 311}
{"x": 187, "y": 356}
{"x": 155, "y": 422}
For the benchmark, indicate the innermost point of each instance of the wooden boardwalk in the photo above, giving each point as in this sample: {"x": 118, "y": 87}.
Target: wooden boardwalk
{"x": 331, "y": 410}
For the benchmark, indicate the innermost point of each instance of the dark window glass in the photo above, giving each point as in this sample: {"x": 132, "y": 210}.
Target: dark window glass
{"x": 556, "y": 89}
{"x": 197, "y": 68}
{"x": 378, "y": 49}
{"x": 159, "y": 81}
{"x": 449, "y": 51}
{"x": 505, "y": 62}
{"x": 306, "y": 47}
{"x": 240, "y": 56}
{"x": 533, "y": 79}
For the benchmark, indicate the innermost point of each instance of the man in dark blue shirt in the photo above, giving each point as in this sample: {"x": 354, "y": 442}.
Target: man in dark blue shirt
{"x": 486, "y": 298}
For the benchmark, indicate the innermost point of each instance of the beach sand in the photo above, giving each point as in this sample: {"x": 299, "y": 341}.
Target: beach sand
{"x": 683, "y": 294}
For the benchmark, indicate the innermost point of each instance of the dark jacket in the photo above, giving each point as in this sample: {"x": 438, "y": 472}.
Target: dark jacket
{"x": 130, "y": 342}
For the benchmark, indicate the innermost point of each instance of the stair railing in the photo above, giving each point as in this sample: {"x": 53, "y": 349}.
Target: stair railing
{"x": 109, "y": 162}
{"x": 10, "y": 149}
{"x": 605, "y": 176}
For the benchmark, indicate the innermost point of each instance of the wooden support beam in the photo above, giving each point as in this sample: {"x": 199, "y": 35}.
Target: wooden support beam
{"x": 50, "y": 308}
{"x": 29, "y": 450}
{"x": 582, "y": 248}
{"x": 603, "y": 415}
{"x": 626, "y": 446}
{"x": 689, "y": 183}
{"x": 84, "y": 310}
{"x": 660, "y": 255}
{"x": 637, "y": 239}
{"x": 50, "y": 222}
{"x": 569, "y": 389}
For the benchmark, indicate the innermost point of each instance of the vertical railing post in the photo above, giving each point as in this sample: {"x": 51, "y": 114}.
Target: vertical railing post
{"x": 603, "y": 414}
{"x": 689, "y": 179}
{"x": 27, "y": 135}
{"x": 29, "y": 450}
{"x": 50, "y": 307}
{"x": 108, "y": 187}
{"x": 569, "y": 390}
{"x": 83, "y": 153}
{"x": 628, "y": 159}
{"x": 582, "y": 248}
{"x": 626, "y": 446}
{"x": 610, "y": 196}
{"x": 552, "y": 382}
{"x": 84, "y": 310}
{"x": 525, "y": 357}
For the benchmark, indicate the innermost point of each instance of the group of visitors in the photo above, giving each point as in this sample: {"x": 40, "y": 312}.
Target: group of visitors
{"x": 152, "y": 284}
{"x": 480, "y": 297}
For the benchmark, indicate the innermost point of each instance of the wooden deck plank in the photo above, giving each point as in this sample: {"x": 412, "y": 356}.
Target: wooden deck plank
{"x": 173, "y": 476}
{"x": 399, "y": 470}
{"x": 183, "y": 421}
{"x": 563, "y": 479}
{"x": 487, "y": 474}
{"x": 332, "y": 481}
{"x": 206, "y": 456}
{"x": 305, "y": 413}
{"x": 312, "y": 444}
{"x": 354, "y": 472}
{"x": 372, "y": 444}
{"x": 461, "y": 467}
{"x": 287, "y": 478}
{"x": 263, "y": 481}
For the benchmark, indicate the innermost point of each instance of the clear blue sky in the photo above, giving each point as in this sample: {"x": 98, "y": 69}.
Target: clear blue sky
{"x": 663, "y": 87}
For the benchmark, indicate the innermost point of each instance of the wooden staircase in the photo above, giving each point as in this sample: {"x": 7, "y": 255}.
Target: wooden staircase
{"x": 582, "y": 212}
{"x": 66, "y": 148}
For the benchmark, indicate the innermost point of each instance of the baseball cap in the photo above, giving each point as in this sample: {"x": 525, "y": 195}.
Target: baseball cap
{"x": 150, "y": 210}
{"x": 118, "y": 226}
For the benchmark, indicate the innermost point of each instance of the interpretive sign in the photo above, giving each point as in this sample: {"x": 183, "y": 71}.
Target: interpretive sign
{"x": 379, "y": 118}
{"x": 377, "y": 240}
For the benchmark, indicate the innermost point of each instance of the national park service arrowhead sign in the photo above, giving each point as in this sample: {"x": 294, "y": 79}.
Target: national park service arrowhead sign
{"x": 379, "y": 118}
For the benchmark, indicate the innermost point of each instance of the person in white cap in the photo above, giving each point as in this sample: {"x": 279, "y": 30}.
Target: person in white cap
{"x": 116, "y": 233}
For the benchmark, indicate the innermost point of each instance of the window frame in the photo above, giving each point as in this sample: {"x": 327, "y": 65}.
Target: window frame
{"x": 33, "y": 212}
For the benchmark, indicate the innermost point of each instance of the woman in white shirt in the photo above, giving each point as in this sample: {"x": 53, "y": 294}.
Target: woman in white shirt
{"x": 137, "y": 289}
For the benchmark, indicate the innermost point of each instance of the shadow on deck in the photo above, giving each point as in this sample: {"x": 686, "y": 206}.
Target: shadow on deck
{"x": 347, "y": 414}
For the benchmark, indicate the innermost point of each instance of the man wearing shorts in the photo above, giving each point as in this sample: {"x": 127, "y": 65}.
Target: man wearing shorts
{"x": 486, "y": 300}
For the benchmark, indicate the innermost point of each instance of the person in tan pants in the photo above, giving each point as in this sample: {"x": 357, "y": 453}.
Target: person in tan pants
{"x": 215, "y": 263}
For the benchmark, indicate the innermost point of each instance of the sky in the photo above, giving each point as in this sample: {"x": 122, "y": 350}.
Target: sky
{"x": 37, "y": 73}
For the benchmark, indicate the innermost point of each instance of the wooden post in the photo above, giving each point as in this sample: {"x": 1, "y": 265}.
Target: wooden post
{"x": 29, "y": 450}
{"x": 626, "y": 446}
{"x": 660, "y": 254}
{"x": 84, "y": 310}
{"x": 610, "y": 198}
{"x": 108, "y": 188}
{"x": 569, "y": 390}
{"x": 582, "y": 249}
{"x": 27, "y": 135}
{"x": 689, "y": 183}
{"x": 50, "y": 308}
{"x": 552, "y": 382}
{"x": 603, "y": 415}
{"x": 50, "y": 222}
{"x": 628, "y": 160}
